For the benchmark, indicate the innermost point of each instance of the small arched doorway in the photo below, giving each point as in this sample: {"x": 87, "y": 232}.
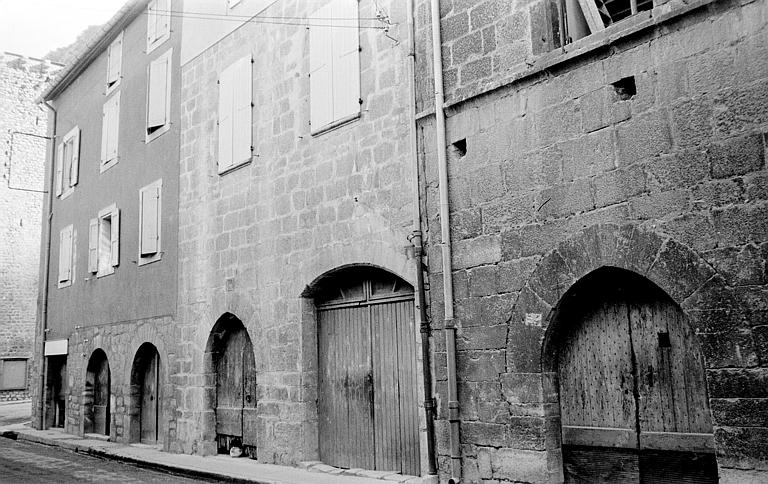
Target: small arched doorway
{"x": 367, "y": 387}
{"x": 145, "y": 395}
{"x": 234, "y": 369}
{"x": 96, "y": 407}
{"x": 631, "y": 382}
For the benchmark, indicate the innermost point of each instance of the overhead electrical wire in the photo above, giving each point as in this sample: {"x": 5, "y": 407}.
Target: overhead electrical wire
{"x": 273, "y": 20}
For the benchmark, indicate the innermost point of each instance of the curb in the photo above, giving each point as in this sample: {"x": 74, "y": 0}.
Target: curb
{"x": 103, "y": 454}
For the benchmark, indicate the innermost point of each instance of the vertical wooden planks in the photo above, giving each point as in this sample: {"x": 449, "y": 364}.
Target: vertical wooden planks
{"x": 149, "y": 400}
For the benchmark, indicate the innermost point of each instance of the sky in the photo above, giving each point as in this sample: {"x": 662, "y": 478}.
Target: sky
{"x": 35, "y": 27}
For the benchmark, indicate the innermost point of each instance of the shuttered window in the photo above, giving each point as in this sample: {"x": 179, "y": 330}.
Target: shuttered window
{"x": 149, "y": 223}
{"x": 114, "y": 63}
{"x": 68, "y": 163}
{"x": 104, "y": 242}
{"x": 334, "y": 60}
{"x": 159, "y": 96}
{"x": 158, "y": 23}
{"x": 13, "y": 374}
{"x": 66, "y": 242}
{"x": 235, "y": 114}
{"x": 109, "y": 131}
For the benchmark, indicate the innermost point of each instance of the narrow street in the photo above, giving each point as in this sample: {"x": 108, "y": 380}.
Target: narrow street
{"x": 23, "y": 462}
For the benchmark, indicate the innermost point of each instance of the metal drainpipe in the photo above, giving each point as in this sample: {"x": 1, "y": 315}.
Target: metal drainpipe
{"x": 416, "y": 240}
{"x": 46, "y": 273}
{"x": 445, "y": 234}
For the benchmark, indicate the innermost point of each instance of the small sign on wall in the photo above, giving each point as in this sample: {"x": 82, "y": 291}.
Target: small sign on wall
{"x": 533, "y": 319}
{"x": 56, "y": 347}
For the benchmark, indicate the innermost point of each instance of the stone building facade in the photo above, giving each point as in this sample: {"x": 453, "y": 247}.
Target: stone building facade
{"x": 304, "y": 212}
{"x": 106, "y": 329}
{"x": 22, "y": 137}
{"x": 630, "y": 161}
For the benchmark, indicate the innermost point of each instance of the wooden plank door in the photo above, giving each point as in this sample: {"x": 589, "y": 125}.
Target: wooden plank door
{"x": 395, "y": 389}
{"x": 250, "y": 420}
{"x": 598, "y": 408}
{"x": 229, "y": 386}
{"x": 345, "y": 388}
{"x": 101, "y": 408}
{"x": 149, "y": 401}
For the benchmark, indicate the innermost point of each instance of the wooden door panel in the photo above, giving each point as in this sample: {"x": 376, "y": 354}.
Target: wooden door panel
{"x": 229, "y": 385}
{"x": 250, "y": 416}
{"x": 596, "y": 382}
{"x": 600, "y": 465}
{"x": 149, "y": 401}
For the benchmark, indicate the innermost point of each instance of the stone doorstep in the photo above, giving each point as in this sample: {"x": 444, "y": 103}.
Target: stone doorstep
{"x": 183, "y": 464}
{"x": 317, "y": 466}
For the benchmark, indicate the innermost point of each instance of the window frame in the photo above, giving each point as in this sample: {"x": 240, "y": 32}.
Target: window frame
{"x": 61, "y": 282}
{"x": 106, "y": 161}
{"x": 156, "y": 256}
{"x": 3, "y": 362}
{"x": 167, "y": 57}
{"x": 112, "y": 213}
{"x": 110, "y": 53}
{"x": 158, "y": 40}
{"x": 72, "y": 136}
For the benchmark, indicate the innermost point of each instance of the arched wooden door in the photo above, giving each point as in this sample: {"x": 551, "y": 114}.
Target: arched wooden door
{"x": 235, "y": 390}
{"x": 145, "y": 395}
{"x": 96, "y": 397}
{"x": 367, "y": 372}
{"x": 632, "y": 387}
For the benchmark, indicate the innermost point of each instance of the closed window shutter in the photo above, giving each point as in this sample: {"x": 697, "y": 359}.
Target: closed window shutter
{"x": 150, "y": 202}
{"x": 75, "y": 167}
{"x": 320, "y": 68}
{"x": 346, "y": 59}
{"x": 242, "y": 123}
{"x": 158, "y": 90}
{"x": 151, "y": 22}
{"x": 225, "y": 118}
{"x": 59, "y": 169}
{"x": 114, "y": 116}
{"x": 115, "y": 60}
{"x": 93, "y": 245}
{"x": 105, "y": 130}
{"x": 115, "y": 238}
{"x": 164, "y": 17}
{"x": 65, "y": 254}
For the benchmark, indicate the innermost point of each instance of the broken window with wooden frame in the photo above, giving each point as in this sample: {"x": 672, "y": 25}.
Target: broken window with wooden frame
{"x": 580, "y": 18}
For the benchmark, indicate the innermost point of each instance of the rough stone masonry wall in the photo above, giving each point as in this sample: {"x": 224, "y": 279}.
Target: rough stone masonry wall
{"x": 559, "y": 152}
{"x": 251, "y": 241}
{"x": 23, "y": 160}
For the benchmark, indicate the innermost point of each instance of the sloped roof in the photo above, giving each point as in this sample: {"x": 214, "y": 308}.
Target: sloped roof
{"x": 91, "y": 50}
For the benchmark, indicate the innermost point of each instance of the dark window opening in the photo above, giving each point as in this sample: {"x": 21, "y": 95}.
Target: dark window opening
{"x": 625, "y": 88}
{"x": 461, "y": 147}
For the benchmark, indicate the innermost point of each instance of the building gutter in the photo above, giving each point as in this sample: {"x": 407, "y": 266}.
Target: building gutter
{"x": 449, "y": 327}
{"x": 418, "y": 249}
{"x": 43, "y": 323}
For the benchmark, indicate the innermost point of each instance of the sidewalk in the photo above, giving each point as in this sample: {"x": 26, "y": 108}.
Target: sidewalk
{"x": 222, "y": 467}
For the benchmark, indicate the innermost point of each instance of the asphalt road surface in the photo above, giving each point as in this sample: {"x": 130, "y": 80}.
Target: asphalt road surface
{"x": 24, "y": 462}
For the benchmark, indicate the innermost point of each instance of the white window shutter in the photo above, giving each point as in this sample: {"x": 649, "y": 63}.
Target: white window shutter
{"x": 158, "y": 90}
{"x": 163, "y": 24}
{"x": 242, "y": 122}
{"x": 115, "y": 238}
{"x": 93, "y": 245}
{"x": 150, "y": 202}
{"x": 320, "y": 68}
{"x": 75, "y": 168}
{"x": 225, "y": 118}
{"x": 105, "y": 130}
{"x": 114, "y": 122}
{"x": 346, "y": 59}
{"x": 65, "y": 254}
{"x": 59, "y": 169}
{"x": 115, "y": 60}
{"x": 152, "y": 21}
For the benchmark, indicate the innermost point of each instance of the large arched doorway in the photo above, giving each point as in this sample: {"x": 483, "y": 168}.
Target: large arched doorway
{"x": 631, "y": 383}
{"x": 96, "y": 408}
{"x": 234, "y": 369}
{"x": 145, "y": 395}
{"x": 367, "y": 388}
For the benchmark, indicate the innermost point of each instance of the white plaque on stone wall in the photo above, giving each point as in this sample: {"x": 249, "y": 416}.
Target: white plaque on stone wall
{"x": 533, "y": 319}
{"x": 56, "y": 347}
